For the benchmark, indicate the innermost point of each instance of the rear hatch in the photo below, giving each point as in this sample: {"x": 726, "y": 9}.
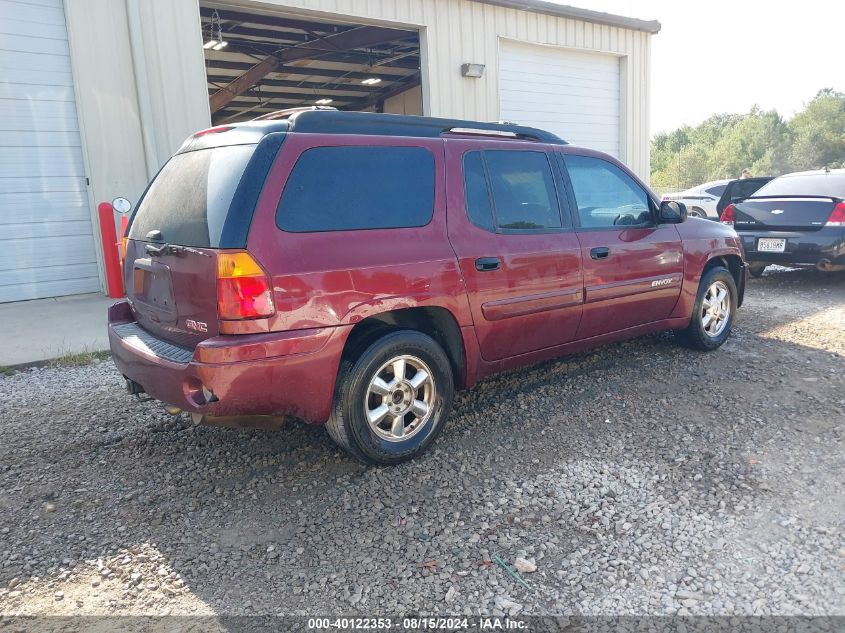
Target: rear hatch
{"x": 782, "y": 214}
{"x": 170, "y": 269}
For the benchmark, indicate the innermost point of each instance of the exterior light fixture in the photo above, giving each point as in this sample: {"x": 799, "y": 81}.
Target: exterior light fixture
{"x": 221, "y": 45}
{"x": 323, "y": 101}
{"x": 210, "y": 44}
{"x": 475, "y": 71}
{"x": 371, "y": 81}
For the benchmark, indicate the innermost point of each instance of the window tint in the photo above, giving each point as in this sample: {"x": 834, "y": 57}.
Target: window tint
{"x": 716, "y": 191}
{"x": 350, "y": 188}
{"x": 475, "y": 188}
{"x": 189, "y": 200}
{"x": 606, "y": 195}
{"x": 523, "y": 190}
{"x": 832, "y": 184}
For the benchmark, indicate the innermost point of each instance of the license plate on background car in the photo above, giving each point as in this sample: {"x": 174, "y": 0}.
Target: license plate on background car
{"x": 771, "y": 245}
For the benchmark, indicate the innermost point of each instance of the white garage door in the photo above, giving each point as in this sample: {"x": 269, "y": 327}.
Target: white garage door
{"x": 46, "y": 242}
{"x": 571, "y": 93}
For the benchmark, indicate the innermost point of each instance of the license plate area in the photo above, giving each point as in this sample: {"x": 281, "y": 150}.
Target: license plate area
{"x": 153, "y": 289}
{"x": 771, "y": 245}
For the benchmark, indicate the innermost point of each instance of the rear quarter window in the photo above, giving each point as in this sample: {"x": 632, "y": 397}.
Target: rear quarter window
{"x": 354, "y": 188}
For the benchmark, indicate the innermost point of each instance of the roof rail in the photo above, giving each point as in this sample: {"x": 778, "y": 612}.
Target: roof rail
{"x": 483, "y": 132}
{"x": 332, "y": 121}
{"x": 289, "y": 112}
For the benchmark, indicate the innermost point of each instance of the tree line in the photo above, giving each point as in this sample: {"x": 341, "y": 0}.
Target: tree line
{"x": 760, "y": 140}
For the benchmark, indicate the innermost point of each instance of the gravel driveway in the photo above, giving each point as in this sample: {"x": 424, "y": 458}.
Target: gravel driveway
{"x": 639, "y": 478}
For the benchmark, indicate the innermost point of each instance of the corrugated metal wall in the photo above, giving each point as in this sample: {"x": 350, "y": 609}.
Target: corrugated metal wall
{"x": 140, "y": 74}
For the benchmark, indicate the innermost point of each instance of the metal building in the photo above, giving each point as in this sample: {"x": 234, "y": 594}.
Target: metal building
{"x": 96, "y": 94}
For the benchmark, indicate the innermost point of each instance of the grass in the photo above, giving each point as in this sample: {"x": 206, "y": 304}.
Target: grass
{"x": 78, "y": 359}
{"x": 65, "y": 359}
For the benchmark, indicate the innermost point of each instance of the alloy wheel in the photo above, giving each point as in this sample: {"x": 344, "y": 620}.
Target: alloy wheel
{"x": 716, "y": 309}
{"x": 400, "y": 398}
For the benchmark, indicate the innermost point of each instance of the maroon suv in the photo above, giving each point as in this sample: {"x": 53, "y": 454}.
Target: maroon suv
{"x": 355, "y": 269}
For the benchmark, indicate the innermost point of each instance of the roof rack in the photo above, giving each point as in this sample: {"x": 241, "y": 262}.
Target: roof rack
{"x": 320, "y": 120}
{"x": 280, "y": 115}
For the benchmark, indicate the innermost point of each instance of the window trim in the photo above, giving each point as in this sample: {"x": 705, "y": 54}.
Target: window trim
{"x": 560, "y": 197}
{"x": 576, "y": 216}
{"x": 374, "y": 228}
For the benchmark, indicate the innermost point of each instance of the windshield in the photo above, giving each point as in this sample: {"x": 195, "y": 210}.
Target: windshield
{"x": 810, "y": 185}
{"x": 189, "y": 200}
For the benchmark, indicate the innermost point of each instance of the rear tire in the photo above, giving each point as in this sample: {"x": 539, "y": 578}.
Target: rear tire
{"x": 695, "y": 212}
{"x": 757, "y": 270}
{"x": 382, "y": 417}
{"x": 713, "y": 312}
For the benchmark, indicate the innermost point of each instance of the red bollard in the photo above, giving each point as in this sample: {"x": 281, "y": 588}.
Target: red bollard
{"x": 111, "y": 255}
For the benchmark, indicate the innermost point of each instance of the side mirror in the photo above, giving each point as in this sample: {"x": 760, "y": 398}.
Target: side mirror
{"x": 672, "y": 212}
{"x": 121, "y": 205}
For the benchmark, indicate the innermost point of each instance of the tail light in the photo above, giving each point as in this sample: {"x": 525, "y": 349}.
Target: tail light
{"x": 837, "y": 216}
{"x": 728, "y": 215}
{"x": 243, "y": 288}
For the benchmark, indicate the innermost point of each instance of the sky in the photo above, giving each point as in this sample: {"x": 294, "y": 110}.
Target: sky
{"x": 725, "y": 56}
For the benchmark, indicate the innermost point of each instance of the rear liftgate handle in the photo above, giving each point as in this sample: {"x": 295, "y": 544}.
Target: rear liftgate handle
{"x": 485, "y": 264}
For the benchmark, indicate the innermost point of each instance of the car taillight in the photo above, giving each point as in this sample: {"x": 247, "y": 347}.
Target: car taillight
{"x": 728, "y": 215}
{"x": 243, "y": 288}
{"x": 837, "y": 216}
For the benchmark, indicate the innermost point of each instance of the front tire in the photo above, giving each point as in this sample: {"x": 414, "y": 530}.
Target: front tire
{"x": 392, "y": 401}
{"x": 713, "y": 312}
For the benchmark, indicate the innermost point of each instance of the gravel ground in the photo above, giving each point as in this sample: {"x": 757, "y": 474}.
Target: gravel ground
{"x": 641, "y": 478}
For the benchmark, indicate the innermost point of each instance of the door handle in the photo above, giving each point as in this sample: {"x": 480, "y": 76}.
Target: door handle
{"x": 600, "y": 252}
{"x": 484, "y": 264}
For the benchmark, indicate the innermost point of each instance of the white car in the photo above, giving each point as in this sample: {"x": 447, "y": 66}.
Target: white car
{"x": 701, "y": 200}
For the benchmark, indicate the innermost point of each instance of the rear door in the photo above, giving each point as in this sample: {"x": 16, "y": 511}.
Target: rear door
{"x": 170, "y": 270}
{"x": 739, "y": 190}
{"x": 633, "y": 268}
{"x": 519, "y": 257}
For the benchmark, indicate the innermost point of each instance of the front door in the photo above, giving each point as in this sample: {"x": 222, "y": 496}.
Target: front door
{"x": 519, "y": 257}
{"x": 633, "y": 267}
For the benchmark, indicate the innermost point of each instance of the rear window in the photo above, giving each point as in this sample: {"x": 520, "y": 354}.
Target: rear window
{"x": 353, "y": 188}
{"x": 717, "y": 191}
{"x": 189, "y": 200}
{"x": 810, "y": 185}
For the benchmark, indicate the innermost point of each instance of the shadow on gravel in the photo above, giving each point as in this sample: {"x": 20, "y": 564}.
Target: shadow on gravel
{"x": 617, "y": 470}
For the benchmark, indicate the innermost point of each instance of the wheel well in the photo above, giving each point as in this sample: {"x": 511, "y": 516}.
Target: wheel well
{"x": 438, "y": 323}
{"x": 731, "y": 262}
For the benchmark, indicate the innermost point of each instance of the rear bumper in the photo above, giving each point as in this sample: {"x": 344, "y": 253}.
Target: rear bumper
{"x": 282, "y": 373}
{"x": 825, "y": 245}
